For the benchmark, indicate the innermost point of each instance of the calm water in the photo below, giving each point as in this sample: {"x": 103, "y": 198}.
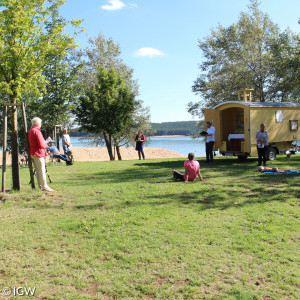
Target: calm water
{"x": 182, "y": 145}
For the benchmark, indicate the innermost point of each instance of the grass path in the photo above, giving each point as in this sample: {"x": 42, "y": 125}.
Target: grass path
{"x": 126, "y": 230}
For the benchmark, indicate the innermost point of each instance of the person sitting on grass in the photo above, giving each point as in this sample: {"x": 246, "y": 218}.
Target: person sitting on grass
{"x": 192, "y": 169}
{"x": 54, "y": 152}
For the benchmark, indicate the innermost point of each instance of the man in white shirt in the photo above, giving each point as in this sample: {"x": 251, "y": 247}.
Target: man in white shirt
{"x": 66, "y": 141}
{"x": 210, "y": 140}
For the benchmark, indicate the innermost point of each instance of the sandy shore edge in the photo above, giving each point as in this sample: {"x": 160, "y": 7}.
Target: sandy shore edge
{"x": 127, "y": 153}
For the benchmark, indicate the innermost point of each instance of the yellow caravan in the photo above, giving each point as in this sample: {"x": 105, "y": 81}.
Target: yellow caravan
{"x": 237, "y": 122}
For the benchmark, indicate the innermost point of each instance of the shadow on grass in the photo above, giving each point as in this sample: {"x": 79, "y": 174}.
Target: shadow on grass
{"x": 247, "y": 186}
{"x": 201, "y": 200}
{"x": 89, "y": 206}
{"x": 158, "y": 172}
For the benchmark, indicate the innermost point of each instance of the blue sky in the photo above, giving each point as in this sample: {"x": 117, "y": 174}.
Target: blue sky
{"x": 159, "y": 40}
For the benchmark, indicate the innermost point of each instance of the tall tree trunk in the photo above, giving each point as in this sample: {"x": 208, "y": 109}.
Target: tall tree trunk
{"x": 119, "y": 153}
{"x": 107, "y": 139}
{"x": 15, "y": 147}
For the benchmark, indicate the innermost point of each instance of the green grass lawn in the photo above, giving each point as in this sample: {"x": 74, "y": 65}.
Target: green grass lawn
{"x": 126, "y": 230}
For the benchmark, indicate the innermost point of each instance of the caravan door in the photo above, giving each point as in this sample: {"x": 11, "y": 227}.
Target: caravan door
{"x": 247, "y": 146}
{"x": 213, "y": 115}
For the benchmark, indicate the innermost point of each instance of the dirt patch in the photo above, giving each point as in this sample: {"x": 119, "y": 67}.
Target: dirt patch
{"x": 92, "y": 290}
{"x": 160, "y": 281}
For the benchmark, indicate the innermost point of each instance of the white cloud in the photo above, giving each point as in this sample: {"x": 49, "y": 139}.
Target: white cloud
{"x": 133, "y": 5}
{"x": 148, "y": 51}
{"x": 113, "y": 5}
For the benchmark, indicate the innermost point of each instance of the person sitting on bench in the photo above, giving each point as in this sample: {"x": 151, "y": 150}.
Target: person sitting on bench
{"x": 54, "y": 152}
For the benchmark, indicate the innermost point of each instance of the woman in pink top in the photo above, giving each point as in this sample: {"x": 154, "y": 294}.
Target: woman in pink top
{"x": 192, "y": 169}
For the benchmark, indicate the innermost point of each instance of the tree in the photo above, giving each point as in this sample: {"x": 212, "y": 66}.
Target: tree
{"x": 105, "y": 53}
{"x": 140, "y": 120}
{"x": 61, "y": 90}
{"x": 286, "y": 66}
{"x": 238, "y": 57}
{"x": 31, "y": 35}
{"x": 107, "y": 107}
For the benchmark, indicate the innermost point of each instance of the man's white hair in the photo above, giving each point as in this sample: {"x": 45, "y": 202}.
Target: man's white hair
{"x": 36, "y": 121}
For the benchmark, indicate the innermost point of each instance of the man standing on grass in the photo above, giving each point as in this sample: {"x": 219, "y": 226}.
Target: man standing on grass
{"x": 262, "y": 141}
{"x": 66, "y": 141}
{"x": 210, "y": 140}
{"x": 37, "y": 148}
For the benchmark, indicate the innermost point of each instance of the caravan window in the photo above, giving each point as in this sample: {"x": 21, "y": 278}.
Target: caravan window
{"x": 293, "y": 125}
{"x": 279, "y": 116}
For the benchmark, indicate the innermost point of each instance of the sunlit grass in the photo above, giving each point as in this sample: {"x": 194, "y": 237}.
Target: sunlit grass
{"x": 127, "y": 230}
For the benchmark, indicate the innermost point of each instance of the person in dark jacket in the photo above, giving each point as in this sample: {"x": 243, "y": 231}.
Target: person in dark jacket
{"x": 140, "y": 139}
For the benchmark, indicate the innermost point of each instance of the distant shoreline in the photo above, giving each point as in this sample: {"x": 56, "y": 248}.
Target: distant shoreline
{"x": 150, "y": 136}
{"x": 101, "y": 154}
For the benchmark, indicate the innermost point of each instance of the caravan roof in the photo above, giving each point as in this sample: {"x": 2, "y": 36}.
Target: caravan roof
{"x": 262, "y": 104}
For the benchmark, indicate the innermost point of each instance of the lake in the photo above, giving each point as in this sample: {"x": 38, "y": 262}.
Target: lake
{"x": 180, "y": 144}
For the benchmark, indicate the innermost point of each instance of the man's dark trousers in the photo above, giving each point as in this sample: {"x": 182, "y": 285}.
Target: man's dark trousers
{"x": 209, "y": 151}
{"x": 262, "y": 155}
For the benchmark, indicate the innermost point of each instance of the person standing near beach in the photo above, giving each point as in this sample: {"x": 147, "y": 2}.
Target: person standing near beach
{"x": 140, "y": 139}
{"x": 210, "y": 140}
{"x": 37, "y": 149}
{"x": 192, "y": 169}
{"x": 66, "y": 141}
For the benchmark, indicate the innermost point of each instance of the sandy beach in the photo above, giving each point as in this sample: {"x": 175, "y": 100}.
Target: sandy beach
{"x": 100, "y": 154}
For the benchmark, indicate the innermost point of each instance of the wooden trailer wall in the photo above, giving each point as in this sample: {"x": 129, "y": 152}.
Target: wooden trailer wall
{"x": 280, "y": 132}
{"x": 225, "y": 115}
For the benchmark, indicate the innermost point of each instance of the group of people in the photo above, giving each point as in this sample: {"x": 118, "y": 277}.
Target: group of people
{"x": 38, "y": 149}
{"x": 262, "y": 142}
{"x": 192, "y": 167}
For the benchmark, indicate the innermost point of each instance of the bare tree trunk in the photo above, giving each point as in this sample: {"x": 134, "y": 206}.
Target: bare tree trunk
{"x": 119, "y": 153}
{"x": 107, "y": 139}
{"x": 15, "y": 147}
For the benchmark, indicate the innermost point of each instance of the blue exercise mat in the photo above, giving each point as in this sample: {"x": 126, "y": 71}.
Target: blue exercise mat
{"x": 288, "y": 172}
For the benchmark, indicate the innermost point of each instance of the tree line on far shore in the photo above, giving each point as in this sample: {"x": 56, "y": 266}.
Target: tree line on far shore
{"x": 187, "y": 128}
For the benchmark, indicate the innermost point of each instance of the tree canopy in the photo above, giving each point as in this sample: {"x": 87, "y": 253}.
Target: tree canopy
{"x": 61, "y": 89}
{"x": 252, "y": 53}
{"x": 31, "y": 36}
{"x": 104, "y": 54}
{"x": 107, "y": 107}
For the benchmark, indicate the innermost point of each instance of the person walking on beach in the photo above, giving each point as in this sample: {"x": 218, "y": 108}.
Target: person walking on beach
{"x": 192, "y": 169}
{"x": 140, "y": 139}
{"x": 262, "y": 142}
{"x": 37, "y": 149}
{"x": 210, "y": 140}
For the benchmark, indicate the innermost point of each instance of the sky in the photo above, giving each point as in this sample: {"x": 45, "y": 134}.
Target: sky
{"x": 159, "y": 41}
